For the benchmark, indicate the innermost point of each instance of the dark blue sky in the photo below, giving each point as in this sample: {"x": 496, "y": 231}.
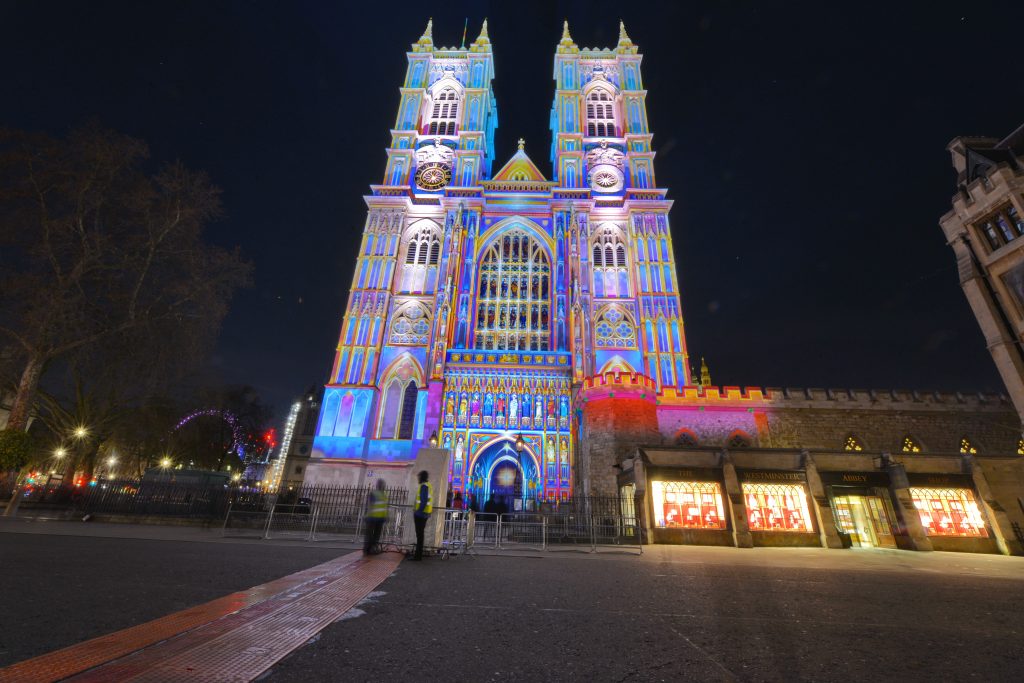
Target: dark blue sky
{"x": 804, "y": 146}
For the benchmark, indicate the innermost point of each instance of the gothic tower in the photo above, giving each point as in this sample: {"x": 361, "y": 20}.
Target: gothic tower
{"x": 483, "y": 304}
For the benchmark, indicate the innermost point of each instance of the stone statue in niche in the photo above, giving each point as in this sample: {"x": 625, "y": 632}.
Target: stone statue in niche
{"x": 513, "y": 408}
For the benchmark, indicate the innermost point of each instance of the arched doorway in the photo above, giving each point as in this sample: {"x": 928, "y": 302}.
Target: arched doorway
{"x": 500, "y": 472}
{"x": 506, "y": 483}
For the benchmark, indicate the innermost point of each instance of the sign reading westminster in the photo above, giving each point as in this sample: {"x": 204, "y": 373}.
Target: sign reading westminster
{"x": 483, "y": 300}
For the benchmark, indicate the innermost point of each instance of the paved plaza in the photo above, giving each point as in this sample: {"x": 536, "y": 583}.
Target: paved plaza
{"x": 674, "y": 613}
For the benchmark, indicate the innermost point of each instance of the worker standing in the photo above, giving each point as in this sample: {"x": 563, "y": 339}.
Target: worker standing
{"x": 376, "y": 515}
{"x": 422, "y": 507}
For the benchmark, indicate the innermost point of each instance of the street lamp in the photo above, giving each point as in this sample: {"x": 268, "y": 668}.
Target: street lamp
{"x": 433, "y": 439}
{"x": 165, "y": 462}
{"x": 81, "y": 431}
{"x": 520, "y": 445}
{"x": 60, "y": 453}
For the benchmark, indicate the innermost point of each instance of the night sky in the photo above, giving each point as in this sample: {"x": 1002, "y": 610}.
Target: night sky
{"x": 803, "y": 144}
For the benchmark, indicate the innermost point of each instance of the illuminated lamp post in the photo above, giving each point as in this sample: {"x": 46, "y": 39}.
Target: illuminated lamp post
{"x": 520, "y": 445}
{"x": 433, "y": 439}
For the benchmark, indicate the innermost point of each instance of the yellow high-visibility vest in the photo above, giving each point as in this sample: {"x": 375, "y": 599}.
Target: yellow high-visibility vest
{"x": 378, "y": 505}
{"x": 429, "y": 507}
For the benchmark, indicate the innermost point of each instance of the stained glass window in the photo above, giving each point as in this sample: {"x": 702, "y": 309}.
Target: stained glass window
{"x": 853, "y": 444}
{"x": 410, "y": 325}
{"x": 777, "y": 507}
{"x": 398, "y": 410}
{"x": 738, "y": 440}
{"x": 687, "y": 439}
{"x": 613, "y": 329}
{"x": 910, "y": 445}
{"x": 513, "y": 312}
{"x": 948, "y": 512}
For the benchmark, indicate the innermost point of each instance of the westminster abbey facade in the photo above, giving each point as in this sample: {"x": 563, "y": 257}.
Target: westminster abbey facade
{"x": 531, "y": 329}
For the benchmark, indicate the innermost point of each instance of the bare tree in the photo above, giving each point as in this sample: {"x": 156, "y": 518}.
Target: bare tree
{"x": 97, "y": 250}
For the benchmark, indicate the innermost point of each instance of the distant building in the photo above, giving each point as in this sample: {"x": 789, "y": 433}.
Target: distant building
{"x": 984, "y": 228}
{"x": 301, "y": 445}
{"x": 491, "y": 310}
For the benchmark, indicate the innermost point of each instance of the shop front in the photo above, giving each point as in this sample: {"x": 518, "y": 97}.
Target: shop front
{"x": 687, "y": 506}
{"x": 950, "y": 516}
{"x": 778, "y": 513}
{"x": 862, "y": 507}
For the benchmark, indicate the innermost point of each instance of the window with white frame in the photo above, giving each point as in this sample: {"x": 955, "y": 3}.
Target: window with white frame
{"x": 600, "y": 114}
{"x": 444, "y": 113}
{"x": 611, "y": 274}
{"x": 422, "y": 254}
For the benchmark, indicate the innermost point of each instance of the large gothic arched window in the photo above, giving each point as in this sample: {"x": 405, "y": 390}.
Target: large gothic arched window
{"x": 600, "y": 114}
{"x": 398, "y": 409}
{"x": 514, "y": 310}
{"x": 611, "y": 275}
{"x": 422, "y": 253}
{"x": 444, "y": 113}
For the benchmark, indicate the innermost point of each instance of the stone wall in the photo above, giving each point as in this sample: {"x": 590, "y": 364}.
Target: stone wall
{"x": 616, "y": 417}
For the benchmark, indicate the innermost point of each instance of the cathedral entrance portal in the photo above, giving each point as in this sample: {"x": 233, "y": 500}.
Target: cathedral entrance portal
{"x": 507, "y": 477}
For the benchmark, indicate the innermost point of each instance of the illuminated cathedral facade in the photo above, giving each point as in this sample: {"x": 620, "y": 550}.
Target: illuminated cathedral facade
{"x": 483, "y": 297}
{"x": 530, "y": 330}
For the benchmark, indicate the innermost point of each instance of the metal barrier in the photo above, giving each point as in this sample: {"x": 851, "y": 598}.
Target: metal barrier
{"x": 245, "y": 523}
{"x": 484, "y": 530}
{"x": 522, "y": 531}
{"x": 337, "y": 522}
{"x": 291, "y": 520}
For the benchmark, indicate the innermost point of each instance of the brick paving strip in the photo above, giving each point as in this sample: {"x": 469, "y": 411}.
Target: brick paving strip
{"x": 234, "y": 638}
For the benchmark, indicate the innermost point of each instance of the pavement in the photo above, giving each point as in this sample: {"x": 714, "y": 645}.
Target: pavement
{"x": 674, "y": 613}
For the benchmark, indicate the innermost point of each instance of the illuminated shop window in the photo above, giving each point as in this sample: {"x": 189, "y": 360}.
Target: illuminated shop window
{"x": 910, "y": 445}
{"x": 949, "y": 512}
{"x": 687, "y": 439}
{"x": 739, "y": 439}
{"x": 967, "y": 447}
{"x": 688, "y": 505}
{"x": 600, "y": 114}
{"x": 853, "y": 444}
{"x": 445, "y": 113}
{"x": 514, "y": 311}
{"x": 777, "y": 507}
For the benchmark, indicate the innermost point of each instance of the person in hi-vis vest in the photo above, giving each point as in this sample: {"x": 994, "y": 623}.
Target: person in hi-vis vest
{"x": 423, "y": 505}
{"x": 376, "y": 515}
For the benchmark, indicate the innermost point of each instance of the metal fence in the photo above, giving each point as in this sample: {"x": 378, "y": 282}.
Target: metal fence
{"x": 337, "y": 514}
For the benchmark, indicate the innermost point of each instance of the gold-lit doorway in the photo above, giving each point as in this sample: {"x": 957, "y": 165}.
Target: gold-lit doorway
{"x": 865, "y": 520}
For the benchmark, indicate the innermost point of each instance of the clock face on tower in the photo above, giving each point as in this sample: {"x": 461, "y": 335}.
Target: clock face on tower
{"x": 433, "y": 176}
{"x": 606, "y": 178}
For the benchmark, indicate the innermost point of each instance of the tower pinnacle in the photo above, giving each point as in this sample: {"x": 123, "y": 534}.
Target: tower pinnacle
{"x": 625, "y": 44}
{"x": 428, "y": 33}
{"x": 566, "y": 44}
{"x": 482, "y": 40}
